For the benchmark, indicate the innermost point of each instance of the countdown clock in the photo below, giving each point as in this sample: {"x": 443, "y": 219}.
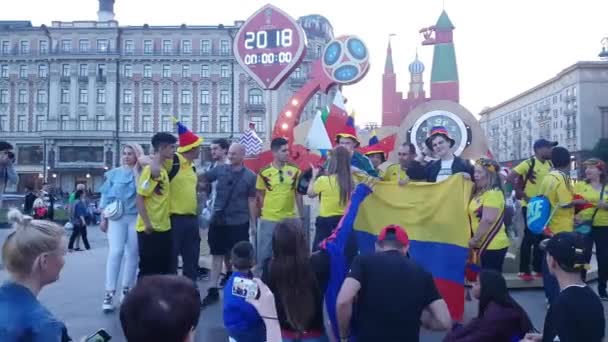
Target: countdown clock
{"x": 269, "y": 46}
{"x": 458, "y": 130}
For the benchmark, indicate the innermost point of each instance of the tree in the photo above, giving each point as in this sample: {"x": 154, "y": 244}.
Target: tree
{"x": 601, "y": 150}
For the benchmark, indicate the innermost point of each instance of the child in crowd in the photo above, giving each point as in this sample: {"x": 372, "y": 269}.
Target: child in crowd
{"x": 241, "y": 320}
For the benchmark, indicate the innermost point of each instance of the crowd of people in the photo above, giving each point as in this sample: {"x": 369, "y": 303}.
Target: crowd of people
{"x": 155, "y": 206}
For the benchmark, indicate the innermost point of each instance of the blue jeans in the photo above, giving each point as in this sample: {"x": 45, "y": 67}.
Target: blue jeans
{"x": 549, "y": 282}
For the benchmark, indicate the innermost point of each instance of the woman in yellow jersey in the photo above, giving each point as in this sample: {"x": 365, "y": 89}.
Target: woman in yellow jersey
{"x": 334, "y": 188}
{"x": 486, "y": 212}
{"x": 594, "y": 191}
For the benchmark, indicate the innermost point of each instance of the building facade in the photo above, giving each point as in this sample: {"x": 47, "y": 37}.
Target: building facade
{"x": 72, "y": 93}
{"x": 570, "y": 108}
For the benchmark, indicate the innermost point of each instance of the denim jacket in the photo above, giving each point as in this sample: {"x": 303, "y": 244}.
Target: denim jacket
{"x": 120, "y": 184}
{"x": 23, "y": 318}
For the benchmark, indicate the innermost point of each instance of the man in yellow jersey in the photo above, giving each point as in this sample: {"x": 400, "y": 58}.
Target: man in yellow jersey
{"x": 526, "y": 178}
{"x": 153, "y": 223}
{"x": 183, "y": 198}
{"x": 400, "y": 172}
{"x": 558, "y": 189}
{"x": 276, "y": 187}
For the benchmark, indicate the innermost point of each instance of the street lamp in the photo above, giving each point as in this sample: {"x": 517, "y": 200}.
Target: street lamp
{"x": 604, "y": 54}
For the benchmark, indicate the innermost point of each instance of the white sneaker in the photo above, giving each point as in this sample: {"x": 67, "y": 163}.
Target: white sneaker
{"x": 107, "y": 306}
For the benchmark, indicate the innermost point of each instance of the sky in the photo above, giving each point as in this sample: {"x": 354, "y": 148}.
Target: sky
{"x": 503, "y": 47}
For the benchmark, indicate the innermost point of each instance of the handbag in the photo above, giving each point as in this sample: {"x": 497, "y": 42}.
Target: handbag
{"x": 114, "y": 210}
{"x": 585, "y": 226}
{"x": 218, "y": 218}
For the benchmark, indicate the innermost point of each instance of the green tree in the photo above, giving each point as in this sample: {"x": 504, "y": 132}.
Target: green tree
{"x": 601, "y": 150}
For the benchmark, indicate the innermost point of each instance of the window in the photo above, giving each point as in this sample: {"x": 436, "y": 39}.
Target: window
{"x": 147, "y": 70}
{"x": 41, "y": 96}
{"x": 40, "y": 123}
{"x": 101, "y": 70}
{"x": 43, "y": 71}
{"x": 297, "y": 73}
{"x": 224, "y": 71}
{"x": 64, "y": 122}
{"x": 186, "y": 46}
{"x": 22, "y": 96}
{"x": 204, "y": 126}
{"x": 186, "y": 97}
{"x": 205, "y": 47}
{"x": 65, "y": 70}
{"x": 146, "y": 123}
{"x": 128, "y": 70}
{"x": 99, "y": 119}
{"x": 82, "y": 119}
{"x": 165, "y": 124}
{"x": 101, "y": 95}
{"x": 185, "y": 120}
{"x": 102, "y": 45}
{"x": 574, "y": 91}
{"x": 66, "y": 45}
{"x": 83, "y": 71}
{"x": 127, "y": 123}
{"x": 129, "y": 46}
{"x": 4, "y": 123}
{"x": 166, "y": 96}
{"x": 255, "y": 97}
{"x": 4, "y": 71}
{"x": 81, "y": 154}
{"x": 24, "y": 47}
{"x": 83, "y": 96}
{"x": 127, "y": 96}
{"x": 84, "y": 45}
{"x": 147, "y": 47}
{"x": 224, "y": 99}
{"x": 205, "y": 71}
{"x": 224, "y": 121}
{"x": 186, "y": 70}
{"x": 166, "y": 70}
{"x": 5, "y": 47}
{"x": 147, "y": 96}
{"x": 224, "y": 49}
{"x": 65, "y": 95}
{"x": 21, "y": 123}
{"x": 205, "y": 97}
{"x": 258, "y": 123}
{"x": 23, "y": 71}
{"x": 167, "y": 46}
{"x": 3, "y": 96}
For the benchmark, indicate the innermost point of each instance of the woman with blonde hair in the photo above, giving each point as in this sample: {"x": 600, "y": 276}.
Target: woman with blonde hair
{"x": 486, "y": 214}
{"x": 117, "y": 203}
{"x": 33, "y": 255}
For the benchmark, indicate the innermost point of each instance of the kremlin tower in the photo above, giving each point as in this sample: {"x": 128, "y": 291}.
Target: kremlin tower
{"x": 444, "y": 75}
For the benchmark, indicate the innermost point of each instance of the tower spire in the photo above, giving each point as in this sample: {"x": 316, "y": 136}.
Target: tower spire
{"x": 388, "y": 65}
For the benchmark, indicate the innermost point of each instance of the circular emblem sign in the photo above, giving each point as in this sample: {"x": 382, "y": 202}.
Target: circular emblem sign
{"x": 346, "y": 59}
{"x": 269, "y": 45}
{"x": 457, "y": 129}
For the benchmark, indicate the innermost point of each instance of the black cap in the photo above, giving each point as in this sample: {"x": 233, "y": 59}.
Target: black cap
{"x": 540, "y": 143}
{"x": 569, "y": 250}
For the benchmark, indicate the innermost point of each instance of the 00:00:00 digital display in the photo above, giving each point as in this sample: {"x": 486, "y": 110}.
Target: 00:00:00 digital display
{"x": 268, "y": 58}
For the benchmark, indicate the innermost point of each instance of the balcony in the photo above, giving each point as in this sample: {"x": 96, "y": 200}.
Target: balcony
{"x": 571, "y": 126}
{"x": 298, "y": 81}
{"x": 569, "y": 112}
{"x": 65, "y": 79}
{"x": 79, "y": 129}
{"x": 255, "y": 107}
{"x": 101, "y": 78}
{"x": 83, "y": 79}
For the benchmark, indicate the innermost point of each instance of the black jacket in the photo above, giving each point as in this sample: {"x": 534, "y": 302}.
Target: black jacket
{"x": 432, "y": 169}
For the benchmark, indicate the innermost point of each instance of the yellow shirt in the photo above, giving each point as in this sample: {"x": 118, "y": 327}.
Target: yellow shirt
{"x": 328, "y": 189}
{"x": 559, "y": 192}
{"x": 279, "y": 186}
{"x": 489, "y": 199}
{"x": 541, "y": 169}
{"x": 592, "y": 195}
{"x": 156, "y": 199}
{"x": 183, "y": 187}
{"x": 394, "y": 173}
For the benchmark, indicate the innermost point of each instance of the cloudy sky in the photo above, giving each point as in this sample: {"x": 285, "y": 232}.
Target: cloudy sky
{"x": 503, "y": 47}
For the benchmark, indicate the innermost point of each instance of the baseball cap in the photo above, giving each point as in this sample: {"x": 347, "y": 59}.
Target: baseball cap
{"x": 394, "y": 233}
{"x": 540, "y": 143}
{"x": 569, "y": 250}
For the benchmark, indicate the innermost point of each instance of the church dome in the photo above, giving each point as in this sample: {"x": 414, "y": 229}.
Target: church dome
{"x": 416, "y": 67}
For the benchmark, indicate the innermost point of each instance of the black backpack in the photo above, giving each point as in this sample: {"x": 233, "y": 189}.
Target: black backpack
{"x": 175, "y": 168}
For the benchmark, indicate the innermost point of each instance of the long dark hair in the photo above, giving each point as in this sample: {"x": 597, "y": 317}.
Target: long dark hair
{"x": 291, "y": 274}
{"x": 494, "y": 290}
{"x": 339, "y": 165}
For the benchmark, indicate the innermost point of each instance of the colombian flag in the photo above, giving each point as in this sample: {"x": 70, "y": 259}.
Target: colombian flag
{"x": 435, "y": 218}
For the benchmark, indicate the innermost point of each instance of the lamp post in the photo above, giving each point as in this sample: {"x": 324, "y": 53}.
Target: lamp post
{"x": 604, "y": 53}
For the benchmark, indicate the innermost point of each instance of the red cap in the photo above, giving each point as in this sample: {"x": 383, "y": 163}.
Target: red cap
{"x": 395, "y": 233}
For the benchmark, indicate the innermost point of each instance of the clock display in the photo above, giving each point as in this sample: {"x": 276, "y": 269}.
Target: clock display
{"x": 452, "y": 122}
{"x": 268, "y": 39}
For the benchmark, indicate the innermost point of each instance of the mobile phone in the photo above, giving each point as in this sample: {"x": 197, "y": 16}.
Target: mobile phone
{"x": 245, "y": 288}
{"x": 99, "y": 336}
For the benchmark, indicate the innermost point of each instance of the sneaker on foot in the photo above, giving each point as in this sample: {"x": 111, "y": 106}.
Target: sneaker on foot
{"x": 603, "y": 294}
{"x": 225, "y": 279}
{"x": 525, "y": 276}
{"x": 123, "y": 294}
{"x": 212, "y": 297}
{"x": 107, "y": 305}
{"x": 537, "y": 275}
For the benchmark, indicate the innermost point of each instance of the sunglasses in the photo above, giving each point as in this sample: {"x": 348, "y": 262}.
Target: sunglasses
{"x": 281, "y": 179}
{"x": 487, "y": 164}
